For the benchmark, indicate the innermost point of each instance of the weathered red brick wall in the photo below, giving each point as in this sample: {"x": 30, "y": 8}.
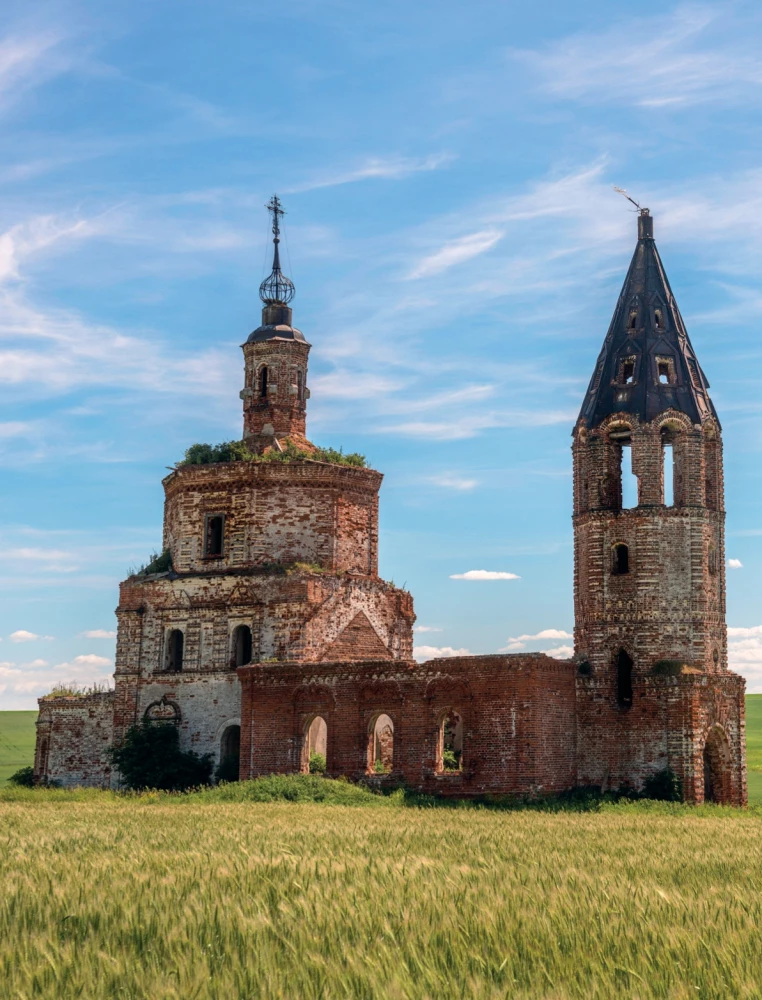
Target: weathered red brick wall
{"x": 281, "y": 413}
{"x": 73, "y": 735}
{"x": 666, "y": 727}
{"x": 671, "y": 604}
{"x": 274, "y": 513}
{"x": 518, "y": 720}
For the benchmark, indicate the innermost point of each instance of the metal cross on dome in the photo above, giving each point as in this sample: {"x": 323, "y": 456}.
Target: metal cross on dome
{"x": 276, "y": 289}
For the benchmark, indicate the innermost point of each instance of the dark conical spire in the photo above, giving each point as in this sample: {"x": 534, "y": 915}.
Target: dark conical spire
{"x": 647, "y": 364}
{"x": 276, "y": 289}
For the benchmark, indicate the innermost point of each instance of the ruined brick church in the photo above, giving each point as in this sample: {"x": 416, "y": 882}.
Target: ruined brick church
{"x": 266, "y": 636}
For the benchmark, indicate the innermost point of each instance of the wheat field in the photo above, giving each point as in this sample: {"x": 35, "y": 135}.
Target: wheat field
{"x": 156, "y": 897}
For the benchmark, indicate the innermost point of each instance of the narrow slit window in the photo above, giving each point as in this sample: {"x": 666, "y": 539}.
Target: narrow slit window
{"x": 242, "y": 646}
{"x": 664, "y": 373}
{"x": 300, "y": 385}
{"x": 215, "y": 531}
{"x": 658, "y": 316}
{"x": 633, "y": 321}
{"x": 263, "y": 381}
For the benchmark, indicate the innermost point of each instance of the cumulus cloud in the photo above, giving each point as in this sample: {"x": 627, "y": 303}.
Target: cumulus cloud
{"x": 484, "y": 574}
{"x": 560, "y": 652}
{"x": 434, "y": 652}
{"x": 98, "y": 633}
{"x": 86, "y": 660}
{"x": 735, "y": 564}
{"x": 21, "y": 635}
{"x": 519, "y": 642}
{"x": 426, "y": 628}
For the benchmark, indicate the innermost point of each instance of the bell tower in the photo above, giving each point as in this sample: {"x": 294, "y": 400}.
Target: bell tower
{"x": 275, "y": 390}
{"x": 649, "y": 544}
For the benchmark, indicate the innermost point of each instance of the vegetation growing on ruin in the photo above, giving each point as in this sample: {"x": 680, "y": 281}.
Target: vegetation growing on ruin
{"x": 237, "y": 451}
{"x": 149, "y": 756}
{"x": 217, "y": 895}
{"x": 73, "y": 690}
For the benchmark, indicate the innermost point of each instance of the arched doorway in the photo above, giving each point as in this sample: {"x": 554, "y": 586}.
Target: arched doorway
{"x": 717, "y": 767}
{"x": 230, "y": 754}
{"x": 381, "y": 745}
{"x": 315, "y": 746}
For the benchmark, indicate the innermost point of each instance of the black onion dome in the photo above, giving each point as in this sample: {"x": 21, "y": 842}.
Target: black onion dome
{"x": 647, "y": 364}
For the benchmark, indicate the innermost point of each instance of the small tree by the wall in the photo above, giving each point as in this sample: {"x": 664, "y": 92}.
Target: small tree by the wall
{"x": 150, "y": 757}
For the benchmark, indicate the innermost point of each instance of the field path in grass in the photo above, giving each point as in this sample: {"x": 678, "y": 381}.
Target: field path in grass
{"x": 107, "y": 897}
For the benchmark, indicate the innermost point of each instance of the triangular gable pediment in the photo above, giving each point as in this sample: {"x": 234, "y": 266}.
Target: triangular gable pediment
{"x": 358, "y": 641}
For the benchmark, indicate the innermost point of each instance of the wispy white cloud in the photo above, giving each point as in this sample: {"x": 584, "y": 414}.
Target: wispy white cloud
{"x": 452, "y": 481}
{"x": 670, "y": 61}
{"x": 27, "y": 61}
{"x": 98, "y": 633}
{"x": 426, "y": 628}
{"x": 735, "y": 564}
{"x": 484, "y": 574}
{"x": 519, "y": 642}
{"x": 456, "y": 252}
{"x": 435, "y": 652}
{"x": 374, "y": 168}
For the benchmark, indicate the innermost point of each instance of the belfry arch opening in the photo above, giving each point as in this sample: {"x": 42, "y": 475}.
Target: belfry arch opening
{"x": 627, "y": 486}
{"x": 669, "y": 436}
{"x": 381, "y": 745}
{"x": 624, "y": 667}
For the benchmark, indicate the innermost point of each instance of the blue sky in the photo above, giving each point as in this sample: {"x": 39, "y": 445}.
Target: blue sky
{"x": 457, "y": 251}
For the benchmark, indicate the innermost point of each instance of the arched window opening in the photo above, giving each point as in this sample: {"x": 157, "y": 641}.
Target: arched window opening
{"x": 717, "y": 767}
{"x": 624, "y": 679}
{"x": 659, "y": 317}
{"x": 230, "y": 755}
{"x": 214, "y": 535}
{"x": 451, "y": 742}
{"x": 315, "y": 746}
{"x": 241, "y": 646}
{"x": 263, "y": 381}
{"x": 174, "y": 654}
{"x": 620, "y": 559}
{"x": 633, "y": 320}
{"x": 381, "y": 745}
